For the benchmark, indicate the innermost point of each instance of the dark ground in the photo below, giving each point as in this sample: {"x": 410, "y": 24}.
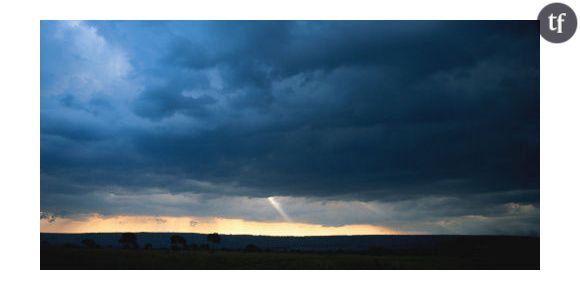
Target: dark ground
{"x": 460, "y": 252}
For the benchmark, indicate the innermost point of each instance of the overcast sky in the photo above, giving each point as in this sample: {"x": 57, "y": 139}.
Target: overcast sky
{"x": 415, "y": 126}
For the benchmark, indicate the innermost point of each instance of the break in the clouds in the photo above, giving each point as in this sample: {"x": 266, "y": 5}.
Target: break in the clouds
{"x": 418, "y": 126}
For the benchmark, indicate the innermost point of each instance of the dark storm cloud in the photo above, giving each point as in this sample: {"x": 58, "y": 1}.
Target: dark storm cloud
{"x": 391, "y": 111}
{"x": 161, "y": 103}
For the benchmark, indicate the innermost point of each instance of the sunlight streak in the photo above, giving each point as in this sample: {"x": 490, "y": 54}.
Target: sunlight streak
{"x": 276, "y": 205}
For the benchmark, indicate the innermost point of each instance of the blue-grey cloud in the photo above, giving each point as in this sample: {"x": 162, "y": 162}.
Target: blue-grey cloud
{"x": 385, "y": 111}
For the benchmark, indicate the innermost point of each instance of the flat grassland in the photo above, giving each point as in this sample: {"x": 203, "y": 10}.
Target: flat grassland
{"x": 75, "y": 258}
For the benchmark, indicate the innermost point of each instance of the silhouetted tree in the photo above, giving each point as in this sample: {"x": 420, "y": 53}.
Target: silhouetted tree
{"x": 178, "y": 242}
{"x": 90, "y": 243}
{"x": 129, "y": 241}
{"x": 214, "y": 238}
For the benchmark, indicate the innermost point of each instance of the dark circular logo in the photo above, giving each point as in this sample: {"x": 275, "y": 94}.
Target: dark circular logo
{"x": 557, "y": 22}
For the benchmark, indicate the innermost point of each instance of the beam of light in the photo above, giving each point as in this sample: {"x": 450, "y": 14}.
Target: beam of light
{"x": 276, "y": 205}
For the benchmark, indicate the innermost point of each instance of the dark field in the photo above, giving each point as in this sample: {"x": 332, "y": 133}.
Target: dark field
{"x": 396, "y": 252}
{"x": 66, "y": 258}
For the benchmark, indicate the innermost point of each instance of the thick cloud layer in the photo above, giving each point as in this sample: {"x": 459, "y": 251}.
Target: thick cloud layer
{"x": 392, "y": 112}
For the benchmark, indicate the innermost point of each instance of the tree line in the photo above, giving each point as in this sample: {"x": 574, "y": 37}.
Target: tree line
{"x": 177, "y": 242}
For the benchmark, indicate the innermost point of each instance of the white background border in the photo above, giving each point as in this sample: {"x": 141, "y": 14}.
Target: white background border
{"x": 20, "y": 147}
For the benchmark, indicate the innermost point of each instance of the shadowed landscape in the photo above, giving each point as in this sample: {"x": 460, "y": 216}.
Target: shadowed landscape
{"x": 197, "y": 251}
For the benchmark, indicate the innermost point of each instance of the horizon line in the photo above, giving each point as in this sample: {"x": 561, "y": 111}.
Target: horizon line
{"x": 298, "y": 236}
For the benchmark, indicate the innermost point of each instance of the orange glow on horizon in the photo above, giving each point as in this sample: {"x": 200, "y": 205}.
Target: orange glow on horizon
{"x": 99, "y": 224}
